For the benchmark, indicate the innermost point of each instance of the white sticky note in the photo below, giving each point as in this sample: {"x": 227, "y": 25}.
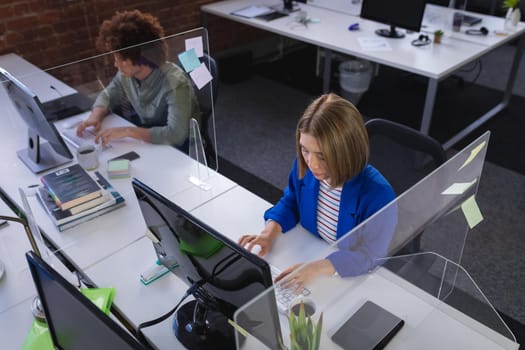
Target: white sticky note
{"x": 473, "y": 153}
{"x": 374, "y": 44}
{"x": 201, "y": 76}
{"x": 459, "y": 187}
{"x": 471, "y": 211}
{"x": 195, "y": 43}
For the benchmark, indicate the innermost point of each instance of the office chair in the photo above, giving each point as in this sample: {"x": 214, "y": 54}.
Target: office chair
{"x": 207, "y": 97}
{"x": 404, "y": 156}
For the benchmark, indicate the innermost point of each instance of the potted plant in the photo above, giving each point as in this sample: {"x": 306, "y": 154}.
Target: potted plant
{"x": 305, "y": 334}
{"x": 438, "y": 34}
{"x": 513, "y": 15}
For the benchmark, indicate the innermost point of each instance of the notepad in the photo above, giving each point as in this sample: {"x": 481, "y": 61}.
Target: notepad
{"x": 252, "y": 11}
{"x": 118, "y": 168}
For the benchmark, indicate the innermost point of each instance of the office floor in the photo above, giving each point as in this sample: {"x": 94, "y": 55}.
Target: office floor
{"x": 262, "y": 109}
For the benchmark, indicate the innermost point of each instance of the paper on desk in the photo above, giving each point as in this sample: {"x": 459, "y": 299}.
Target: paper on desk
{"x": 189, "y": 60}
{"x": 201, "y": 76}
{"x": 471, "y": 211}
{"x": 195, "y": 43}
{"x": 374, "y": 44}
{"x": 253, "y": 11}
{"x": 459, "y": 187}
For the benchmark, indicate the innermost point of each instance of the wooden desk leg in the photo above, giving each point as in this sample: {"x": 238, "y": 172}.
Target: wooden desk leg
{"x": 327, "y": 70}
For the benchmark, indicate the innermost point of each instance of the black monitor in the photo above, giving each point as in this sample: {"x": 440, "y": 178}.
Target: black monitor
{"x": 407, "y": 14}
{"x": 38, "y": 156}
{"x": 222, "y": 276}
{"x": 74, "y": 321}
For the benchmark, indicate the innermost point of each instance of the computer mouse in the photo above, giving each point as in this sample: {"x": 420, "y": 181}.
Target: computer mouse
{"x": 256, "y": 249}
{"x": 71, "y": 123}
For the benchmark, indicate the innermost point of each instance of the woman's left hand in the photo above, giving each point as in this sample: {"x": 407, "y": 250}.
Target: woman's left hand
{"x": 299, "y": 275}
{"x": 110, "y": 134}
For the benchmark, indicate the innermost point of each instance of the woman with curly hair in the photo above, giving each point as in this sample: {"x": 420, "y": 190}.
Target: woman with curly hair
{"x": 159, "y": 91}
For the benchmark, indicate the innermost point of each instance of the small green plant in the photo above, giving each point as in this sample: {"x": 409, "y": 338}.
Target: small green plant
{"x": 511, "y": 4}
{"x": 438, "y": 32}
{"x": 305, "y": 334}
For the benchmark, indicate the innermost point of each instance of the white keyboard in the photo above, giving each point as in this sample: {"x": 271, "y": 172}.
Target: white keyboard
{"x": 284, "y": 296}
{"x": 76, "y": 141}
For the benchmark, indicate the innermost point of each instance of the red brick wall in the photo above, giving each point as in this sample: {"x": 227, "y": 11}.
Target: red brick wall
{"x": 52, "y": 32}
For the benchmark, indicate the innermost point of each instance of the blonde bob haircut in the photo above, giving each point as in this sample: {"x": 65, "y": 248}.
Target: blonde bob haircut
{"x": 340, "y": 132}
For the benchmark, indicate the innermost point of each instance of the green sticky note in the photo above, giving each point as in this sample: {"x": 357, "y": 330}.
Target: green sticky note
{"x": 471, "y": 211}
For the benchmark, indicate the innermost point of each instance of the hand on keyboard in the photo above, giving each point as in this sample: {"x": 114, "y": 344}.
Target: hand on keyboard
{"x": 284, "y": 294}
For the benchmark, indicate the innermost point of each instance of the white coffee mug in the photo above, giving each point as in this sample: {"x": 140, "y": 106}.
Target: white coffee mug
{"x": 87, "y": 157}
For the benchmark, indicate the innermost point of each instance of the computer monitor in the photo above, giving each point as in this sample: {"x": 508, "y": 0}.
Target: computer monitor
{"x": 407, "y": 14}
{"x": 74, "y": 321}
{"x": 222, "y": 275}
{"x": 38, "y": 156}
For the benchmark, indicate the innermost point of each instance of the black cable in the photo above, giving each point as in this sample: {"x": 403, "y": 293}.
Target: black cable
{"x": 150, "y": 323}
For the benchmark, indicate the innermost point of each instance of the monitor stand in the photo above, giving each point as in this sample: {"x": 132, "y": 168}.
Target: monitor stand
{"x": 39, "y": 157}
{"x": 287, "y": 8}
{"x": 198, "y": 327}
{"x": 390, "y": 33}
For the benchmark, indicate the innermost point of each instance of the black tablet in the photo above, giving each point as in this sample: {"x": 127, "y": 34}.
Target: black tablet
{"x": 370, "y": 328}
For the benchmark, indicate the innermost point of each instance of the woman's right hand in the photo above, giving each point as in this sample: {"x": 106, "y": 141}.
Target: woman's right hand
{"x": 250, "y": 241}
{"x": 264, "y": 239}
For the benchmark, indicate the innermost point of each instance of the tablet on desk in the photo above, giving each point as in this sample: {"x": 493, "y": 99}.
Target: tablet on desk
{"x": 370, "y": 328}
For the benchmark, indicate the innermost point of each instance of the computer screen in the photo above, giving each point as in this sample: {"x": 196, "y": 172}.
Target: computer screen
{"x": 38, "y": 156}
{"x": 407, "y": 14}
{"x": 224, "y": 275}
{"x": 73, "y": 320}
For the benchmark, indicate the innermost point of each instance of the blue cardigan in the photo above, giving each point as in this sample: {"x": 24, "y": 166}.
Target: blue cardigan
{"x": 361, "y": 197}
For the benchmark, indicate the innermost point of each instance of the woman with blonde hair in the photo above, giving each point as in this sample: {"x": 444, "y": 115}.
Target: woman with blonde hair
{"x": 331, "y": 189}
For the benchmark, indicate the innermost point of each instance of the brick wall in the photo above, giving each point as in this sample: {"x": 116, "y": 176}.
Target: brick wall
{"x": 52, "y": 32}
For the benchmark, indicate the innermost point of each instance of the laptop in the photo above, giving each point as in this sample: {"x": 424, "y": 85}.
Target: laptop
{"x": 66, "y": 106}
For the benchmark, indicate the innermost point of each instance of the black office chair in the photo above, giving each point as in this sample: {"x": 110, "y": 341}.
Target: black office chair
{"x": 404, "y": 156}
{"x": 207, "y": 97}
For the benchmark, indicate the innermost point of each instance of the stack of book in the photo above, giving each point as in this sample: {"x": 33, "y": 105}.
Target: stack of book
{"x": 71, "y": 196}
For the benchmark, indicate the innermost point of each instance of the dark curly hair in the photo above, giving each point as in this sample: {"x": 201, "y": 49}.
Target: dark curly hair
{"x": 127, "y": 30}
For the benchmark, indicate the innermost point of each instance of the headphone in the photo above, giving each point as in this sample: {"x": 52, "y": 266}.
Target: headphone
{"x": 480, "y": 31}
{"x": 422, "y": 40}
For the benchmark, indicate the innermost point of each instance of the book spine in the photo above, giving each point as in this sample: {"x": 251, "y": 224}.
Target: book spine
{"x": 88, "y": 217}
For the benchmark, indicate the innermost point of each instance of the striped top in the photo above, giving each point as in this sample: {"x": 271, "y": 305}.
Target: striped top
{"x": 328, "y": 203}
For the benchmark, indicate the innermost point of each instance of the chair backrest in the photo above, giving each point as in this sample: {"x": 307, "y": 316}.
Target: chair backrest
{"x": 402, "y": 154}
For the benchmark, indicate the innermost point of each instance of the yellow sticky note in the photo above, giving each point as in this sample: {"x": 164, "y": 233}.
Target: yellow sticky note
{"x": 238, "y": 328}
{"x": 473, "y": 153}
{"x": 471, "y": 211}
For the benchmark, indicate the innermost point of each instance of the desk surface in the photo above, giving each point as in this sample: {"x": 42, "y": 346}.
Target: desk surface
{"x": 432, "y": 61}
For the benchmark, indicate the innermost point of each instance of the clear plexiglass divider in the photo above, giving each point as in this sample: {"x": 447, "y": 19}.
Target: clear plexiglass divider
{"x": 183, "y": 67}
{"x": 438, "y": 302}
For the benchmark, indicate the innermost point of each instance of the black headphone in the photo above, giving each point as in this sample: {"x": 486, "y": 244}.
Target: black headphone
{"x": 422, "y": 40}
{"x": 480, "y": 31}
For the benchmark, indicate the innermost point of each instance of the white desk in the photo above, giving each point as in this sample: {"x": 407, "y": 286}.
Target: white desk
{"x": 164, "y": 168}
{"x": 430, "y": 323}
{"x": 435, "y": 62}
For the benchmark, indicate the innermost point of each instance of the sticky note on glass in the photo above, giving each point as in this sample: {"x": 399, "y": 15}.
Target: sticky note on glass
{"x": 201, "y": 76}
{"x": 189, "y": 60}
{"x": 471, "y": 211}
{"x": 473, "y": 153}
{"x": 459, "y": 187}
{"x": 195, "y": 43}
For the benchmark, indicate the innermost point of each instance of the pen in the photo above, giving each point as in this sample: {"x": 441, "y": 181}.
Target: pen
{"x": 353, "y": 27}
